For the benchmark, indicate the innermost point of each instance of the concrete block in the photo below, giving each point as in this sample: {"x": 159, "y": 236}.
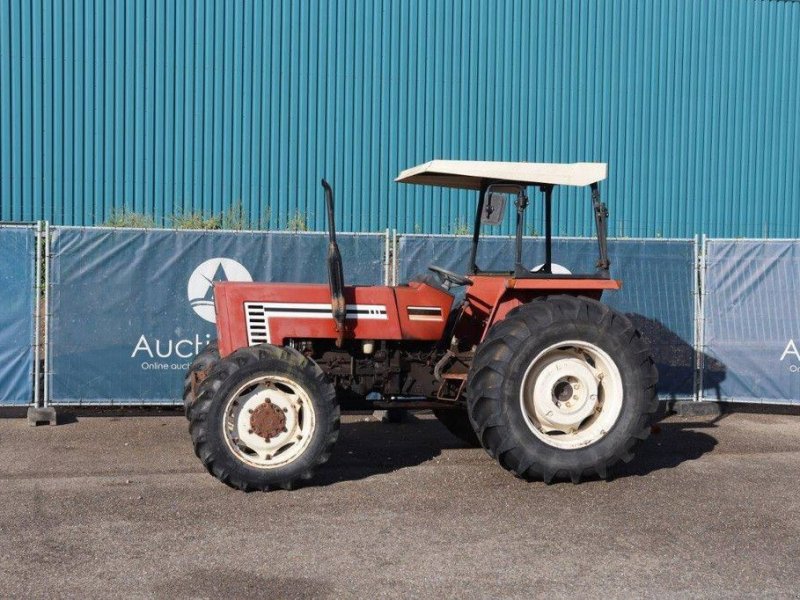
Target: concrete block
{"x": 41, "y": 414}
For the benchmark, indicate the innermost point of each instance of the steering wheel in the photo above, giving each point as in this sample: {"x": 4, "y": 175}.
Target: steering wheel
{"x": 449, "y": 277}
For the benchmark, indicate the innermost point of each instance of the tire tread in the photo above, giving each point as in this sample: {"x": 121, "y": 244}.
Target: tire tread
{"x": 491, "y": 366}
{"x": 206, "y": 446}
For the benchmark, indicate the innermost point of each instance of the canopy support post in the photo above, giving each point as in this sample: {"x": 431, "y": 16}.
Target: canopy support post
{"x": 476, "y": 230}
{"x": 601, "y": 222}
{"x": 548, "y": 228}
{"x": 522, "y": 204}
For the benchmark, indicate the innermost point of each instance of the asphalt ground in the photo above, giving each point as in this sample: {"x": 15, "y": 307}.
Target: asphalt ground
{"x": 118, "y": 506}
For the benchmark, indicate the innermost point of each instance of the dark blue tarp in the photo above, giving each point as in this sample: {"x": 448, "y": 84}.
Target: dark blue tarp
{"x": 131, "y": 307}
{"x": 17, "y": 280}
{"x": 657, "y": 292}
{"x": 752, "y": 321}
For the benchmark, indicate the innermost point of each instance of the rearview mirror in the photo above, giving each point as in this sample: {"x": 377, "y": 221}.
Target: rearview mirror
{"x": 494, "y": 207}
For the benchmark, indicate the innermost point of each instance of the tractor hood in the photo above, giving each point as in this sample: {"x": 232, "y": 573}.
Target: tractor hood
{"x": 472, "y": 174}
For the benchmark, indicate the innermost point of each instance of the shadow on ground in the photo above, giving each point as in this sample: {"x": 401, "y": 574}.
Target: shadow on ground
{"x": 367, "y": 448}
{"x": 669, "y": 445}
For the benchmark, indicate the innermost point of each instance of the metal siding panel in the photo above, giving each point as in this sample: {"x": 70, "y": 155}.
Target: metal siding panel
{"x": 166, "y": 107}
{"x": 42, "y": 208}
{"x": 6, "y": 170}
{"x": 17, "y": 111}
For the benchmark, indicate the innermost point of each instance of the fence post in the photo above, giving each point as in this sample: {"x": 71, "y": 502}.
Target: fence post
{"x": 696, "y": 332}
{"x": 37, "y": 312}
{"x": 701, "y": 325}
{"x": 47, "y": 374}
{"x": 386, "y": 259}
{"x": 40, "y": 411}
{"x": 394, "y": 257}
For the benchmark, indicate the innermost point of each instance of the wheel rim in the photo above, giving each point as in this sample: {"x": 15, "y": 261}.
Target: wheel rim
{"x": 571, "y": 394}
{"x": 269, "y": 421}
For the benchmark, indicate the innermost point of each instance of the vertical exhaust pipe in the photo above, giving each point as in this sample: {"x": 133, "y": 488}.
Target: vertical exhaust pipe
{"x": 335, "y": 274}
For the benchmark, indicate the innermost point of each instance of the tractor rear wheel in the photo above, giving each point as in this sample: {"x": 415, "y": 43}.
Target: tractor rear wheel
{"x": 457, "y": 422}
{"x": 197, "y": 372}
{"x": 264, "y": 417}
{"x": 562, "y": 388}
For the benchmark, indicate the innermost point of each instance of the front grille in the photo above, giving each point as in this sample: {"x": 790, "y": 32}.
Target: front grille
{"x": 256, "y": 318}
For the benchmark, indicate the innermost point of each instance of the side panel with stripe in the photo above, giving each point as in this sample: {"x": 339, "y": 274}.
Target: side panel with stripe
{"x": 258, "y": 315}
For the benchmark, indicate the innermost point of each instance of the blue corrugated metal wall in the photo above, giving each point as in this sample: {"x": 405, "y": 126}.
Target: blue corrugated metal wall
{"x": 184, "y": 105}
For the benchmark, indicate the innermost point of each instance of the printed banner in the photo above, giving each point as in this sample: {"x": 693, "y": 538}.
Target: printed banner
{"x": 657, "y": 291}
{"x": 752, "y": 321}
{"x": 130, "y": 308}
{"x": 17, "y": 280}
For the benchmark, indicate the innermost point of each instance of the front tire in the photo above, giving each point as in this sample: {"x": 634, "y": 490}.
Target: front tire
{"x": 562, "y": 388}
{"x": 264, "y": 417}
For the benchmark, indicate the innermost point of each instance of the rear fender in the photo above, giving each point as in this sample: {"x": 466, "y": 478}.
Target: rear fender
{"x": 491, "y": 298}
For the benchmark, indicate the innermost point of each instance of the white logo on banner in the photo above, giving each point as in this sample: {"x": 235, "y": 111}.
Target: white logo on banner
{"x": 791, "y": 350}
{"x": 200, "y": 289}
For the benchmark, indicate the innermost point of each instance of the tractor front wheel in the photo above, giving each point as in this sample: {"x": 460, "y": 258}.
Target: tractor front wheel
{"x": 264, "y": 417}
{"x": 562, "y": 388}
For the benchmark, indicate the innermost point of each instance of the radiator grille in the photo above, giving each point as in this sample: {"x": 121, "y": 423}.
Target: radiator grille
{"x": 256, "y": 317}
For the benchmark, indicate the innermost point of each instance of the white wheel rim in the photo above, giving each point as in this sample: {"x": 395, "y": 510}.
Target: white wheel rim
{"x": 270, "y": 395}
{"x": 571, "y": 394}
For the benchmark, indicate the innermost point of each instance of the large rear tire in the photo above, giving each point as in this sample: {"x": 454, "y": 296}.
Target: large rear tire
{"x": 197, "y": 372}
{"x": 264, "y": 417}
{"x": 457, "y": 422}
{"x": 562, "y": 388}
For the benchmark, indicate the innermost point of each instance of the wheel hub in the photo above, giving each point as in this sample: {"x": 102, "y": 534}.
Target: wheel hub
{"x": 571, "y": 394}
{"x": 565, "y": 393}
{"x": 562, "y": 392}
{"x": 267, "y": 421}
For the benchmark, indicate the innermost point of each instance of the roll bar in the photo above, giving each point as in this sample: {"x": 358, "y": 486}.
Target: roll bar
{"x": 601, "y": 222}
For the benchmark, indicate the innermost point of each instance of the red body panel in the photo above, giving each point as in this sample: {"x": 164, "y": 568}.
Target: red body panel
{"x": 491, "y": 297}
{"x": 251, "y": 313}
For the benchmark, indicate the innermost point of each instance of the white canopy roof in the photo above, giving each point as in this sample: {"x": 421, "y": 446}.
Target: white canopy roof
{"x": 471, "y": 174}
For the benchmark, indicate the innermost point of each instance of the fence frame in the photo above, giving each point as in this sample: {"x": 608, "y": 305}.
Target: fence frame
{"x": 36, "y": 342}
{"x": 694, "y": 289}
{"x": 43, "y": 232}
{"x": 701, "y": 345}
{"x": 386, "y": 268}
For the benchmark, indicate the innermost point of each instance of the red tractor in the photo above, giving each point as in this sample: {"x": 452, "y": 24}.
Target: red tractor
{"x": 527, "y": 363}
